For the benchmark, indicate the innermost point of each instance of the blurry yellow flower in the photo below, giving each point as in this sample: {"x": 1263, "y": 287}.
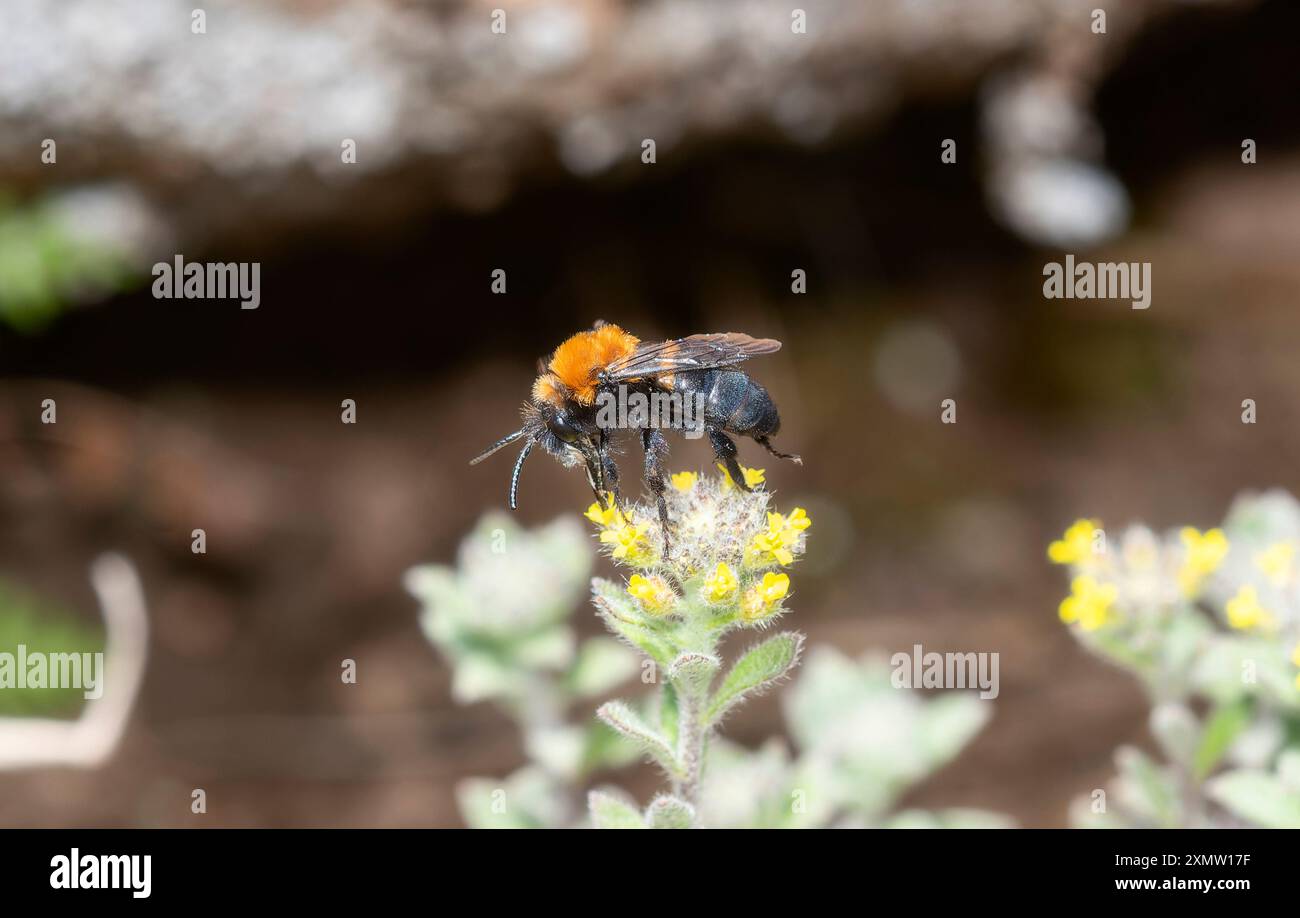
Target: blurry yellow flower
{"x": 630, "y": 544}
{"x": 654, "y": 593}
{"x": 753, "y": 477}
{"x": 684, "y": 481}
{"x": 722, "y": 585}
{"x": 1089, "y": 603}
{"x": 760, "y": 599}
{"x": 1205, "y": 551}
{"x": 1245, "y": 612}
{"x": 1295, "y": 655}
{"x": 1077, "y": 545}
{"x": 1277, "y": 562}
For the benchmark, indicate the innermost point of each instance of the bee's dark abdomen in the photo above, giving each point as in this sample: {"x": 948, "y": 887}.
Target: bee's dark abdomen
{"x": 732, "y": 401}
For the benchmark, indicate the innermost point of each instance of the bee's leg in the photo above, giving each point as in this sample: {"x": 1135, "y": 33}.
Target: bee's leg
{"x": 767, "y": 445}
{"x": 610, "y": 469}
{"x": 725, "y": 449}
{"x": 595, "y": 480}
{"x": 656, "y": 447}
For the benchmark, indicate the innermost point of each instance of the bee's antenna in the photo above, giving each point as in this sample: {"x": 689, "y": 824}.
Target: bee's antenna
{"x": 519, "y": 464}
{"x": 504, "y": 441}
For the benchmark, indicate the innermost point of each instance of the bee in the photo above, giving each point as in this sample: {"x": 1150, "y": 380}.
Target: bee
{"x": 561, "y": 415}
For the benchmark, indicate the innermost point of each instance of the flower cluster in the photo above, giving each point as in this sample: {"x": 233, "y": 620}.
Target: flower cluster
{"x": 726, "y": 554}
{"x": 1209, "y": 621}
{"x": 1244, "y": 574}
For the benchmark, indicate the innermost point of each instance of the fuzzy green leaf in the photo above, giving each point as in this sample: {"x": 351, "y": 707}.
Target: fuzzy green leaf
{"x": 667, "y": 812}
{"x": 627, "y": 722}
{"x": 692, "y": 673}
{"x": 609, "y": 812}
{"x": 1257, "y": 796}
{"x": 761, "y": 665}
{"x": 624, "y": 621}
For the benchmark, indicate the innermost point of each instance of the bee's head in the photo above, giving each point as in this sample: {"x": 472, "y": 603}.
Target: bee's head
{"x": 561, "y": 432}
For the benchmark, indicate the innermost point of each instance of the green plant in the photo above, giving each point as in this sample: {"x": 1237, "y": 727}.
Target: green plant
{"x": 501, "y": 616}
{"x": 859, "y": 742}
{"x": 722, "y": 573}
{"x": 1209, "y": 623}
{"x": 47, "y": 263}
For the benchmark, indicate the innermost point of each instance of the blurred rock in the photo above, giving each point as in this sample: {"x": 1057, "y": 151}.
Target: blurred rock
{"x": 241, "y": 129}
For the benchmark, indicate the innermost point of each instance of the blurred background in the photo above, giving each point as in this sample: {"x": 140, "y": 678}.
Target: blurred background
{"x": 775, "y": 151}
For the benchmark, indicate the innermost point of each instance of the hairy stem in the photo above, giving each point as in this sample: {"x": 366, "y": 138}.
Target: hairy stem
{"x": 690, "y": 746}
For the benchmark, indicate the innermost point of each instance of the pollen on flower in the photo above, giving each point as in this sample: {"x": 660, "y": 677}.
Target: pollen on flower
{"x": 722, "y": 585}
{"x": 1089, "y": 603}
{"x": 654, "y": 593}
{"x": 1245, "y": 612}
{"x": 1079, "y": 543}
{"x": 711, "y": 524}
{"x": 760, "y": 601}
{"x": 630, "y": 544}
{"x": 753, "y": 477}
{"x": 684, "y": 481}
{"x": 778, "y": 543}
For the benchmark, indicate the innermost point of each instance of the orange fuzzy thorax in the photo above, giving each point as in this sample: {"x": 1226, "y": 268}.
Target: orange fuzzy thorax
{"x": 581, "y": 357}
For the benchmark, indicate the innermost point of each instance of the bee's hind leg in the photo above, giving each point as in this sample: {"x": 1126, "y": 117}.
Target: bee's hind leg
{"x": 656, "y": 448}
{"x": 767, "y": 445}
{"x": 725, "y": 449}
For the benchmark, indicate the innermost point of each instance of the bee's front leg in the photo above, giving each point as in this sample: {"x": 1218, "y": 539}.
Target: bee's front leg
{"x": 610, "y": 470}
{"x": 656, "y": 448}
{"x": 595, "y": 478}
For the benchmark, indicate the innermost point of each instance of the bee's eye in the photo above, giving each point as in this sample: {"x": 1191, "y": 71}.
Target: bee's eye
{"x": 564, "y": 430}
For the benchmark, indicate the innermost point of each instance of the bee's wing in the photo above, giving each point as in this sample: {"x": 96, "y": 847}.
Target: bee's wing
{"x": 698, "y": 352}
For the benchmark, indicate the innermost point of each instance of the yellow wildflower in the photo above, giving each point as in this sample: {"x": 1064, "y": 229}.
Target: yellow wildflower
{"x": 760, "y": 599}
{"x": 1077, "y": 546}
{"x": 607, "y": 518}
{"x": 1245, "y": 612}
{"x": 630, "y": 543}
{"x": 722, "y": 585}
{"x": 1277, "y": 562}
{"x": 767, "y": 548}
{"x": 1295, "y": 658}
{"x": 684, "y": 481}
{"x": 1089, "y": 603}
{"x": 798, "y": 519}
{"x": 654, "y": 593}
{"x": 753, "y": 477}
{"x": 1205, "y": 551}
{"x": 774, "y": 545}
